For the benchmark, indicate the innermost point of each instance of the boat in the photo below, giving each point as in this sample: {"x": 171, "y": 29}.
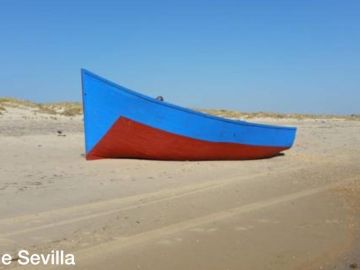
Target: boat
{"x": 122, "y": 123}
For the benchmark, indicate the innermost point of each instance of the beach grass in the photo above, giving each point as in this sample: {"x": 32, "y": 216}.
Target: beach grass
{"x": 245, "y": 115}
{"x": 75, "y": 108}
{"x": 2, "y": 109}
{"x": 57, "y": 108}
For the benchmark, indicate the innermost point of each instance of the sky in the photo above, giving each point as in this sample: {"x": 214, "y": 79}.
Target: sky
{"x": 256, "y": 55}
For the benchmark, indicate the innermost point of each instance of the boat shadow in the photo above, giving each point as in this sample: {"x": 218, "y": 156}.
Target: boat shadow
{"x": 278, "y": 155}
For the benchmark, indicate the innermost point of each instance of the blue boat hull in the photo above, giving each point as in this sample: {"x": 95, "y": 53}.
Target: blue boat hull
{"x": 110, "y": 108}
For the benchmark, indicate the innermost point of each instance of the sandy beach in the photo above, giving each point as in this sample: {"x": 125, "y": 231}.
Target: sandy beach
{"x": 299, "y": 210}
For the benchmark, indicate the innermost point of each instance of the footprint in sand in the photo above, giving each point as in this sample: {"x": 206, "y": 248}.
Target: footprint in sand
{"x": 268, "y": 221}
{"x": 244, "y": 228}
{"x": 169, "y": 241}
{"x": 332, "y": 221}
{"x": 164, "y": 242}
{"x": 203, "y": 230}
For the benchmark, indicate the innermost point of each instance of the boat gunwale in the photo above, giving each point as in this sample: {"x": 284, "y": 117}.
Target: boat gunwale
{"x": 177, "y": 107}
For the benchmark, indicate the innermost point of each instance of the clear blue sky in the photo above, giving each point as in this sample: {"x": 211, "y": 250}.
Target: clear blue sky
{"x": 255, "y": 55}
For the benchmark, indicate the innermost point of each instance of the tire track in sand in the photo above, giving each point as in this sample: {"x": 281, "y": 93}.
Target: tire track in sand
{"x": 181, "y": 226}
{"x": 112, "y": 248}
{"x": 74, "y": 214}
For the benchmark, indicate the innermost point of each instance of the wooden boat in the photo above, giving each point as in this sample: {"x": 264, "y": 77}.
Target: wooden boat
{"x": 121, "y": 123}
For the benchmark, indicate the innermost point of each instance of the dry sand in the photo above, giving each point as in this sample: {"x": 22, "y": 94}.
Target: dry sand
{"x": 300, "y": 210}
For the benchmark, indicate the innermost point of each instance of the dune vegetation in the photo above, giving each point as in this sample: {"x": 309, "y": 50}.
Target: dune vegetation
{"x": 75, "y": 108}
{"x": 58, "y": 108}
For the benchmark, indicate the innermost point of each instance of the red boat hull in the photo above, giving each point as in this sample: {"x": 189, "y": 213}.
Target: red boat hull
{"x": 131, "y": 139}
